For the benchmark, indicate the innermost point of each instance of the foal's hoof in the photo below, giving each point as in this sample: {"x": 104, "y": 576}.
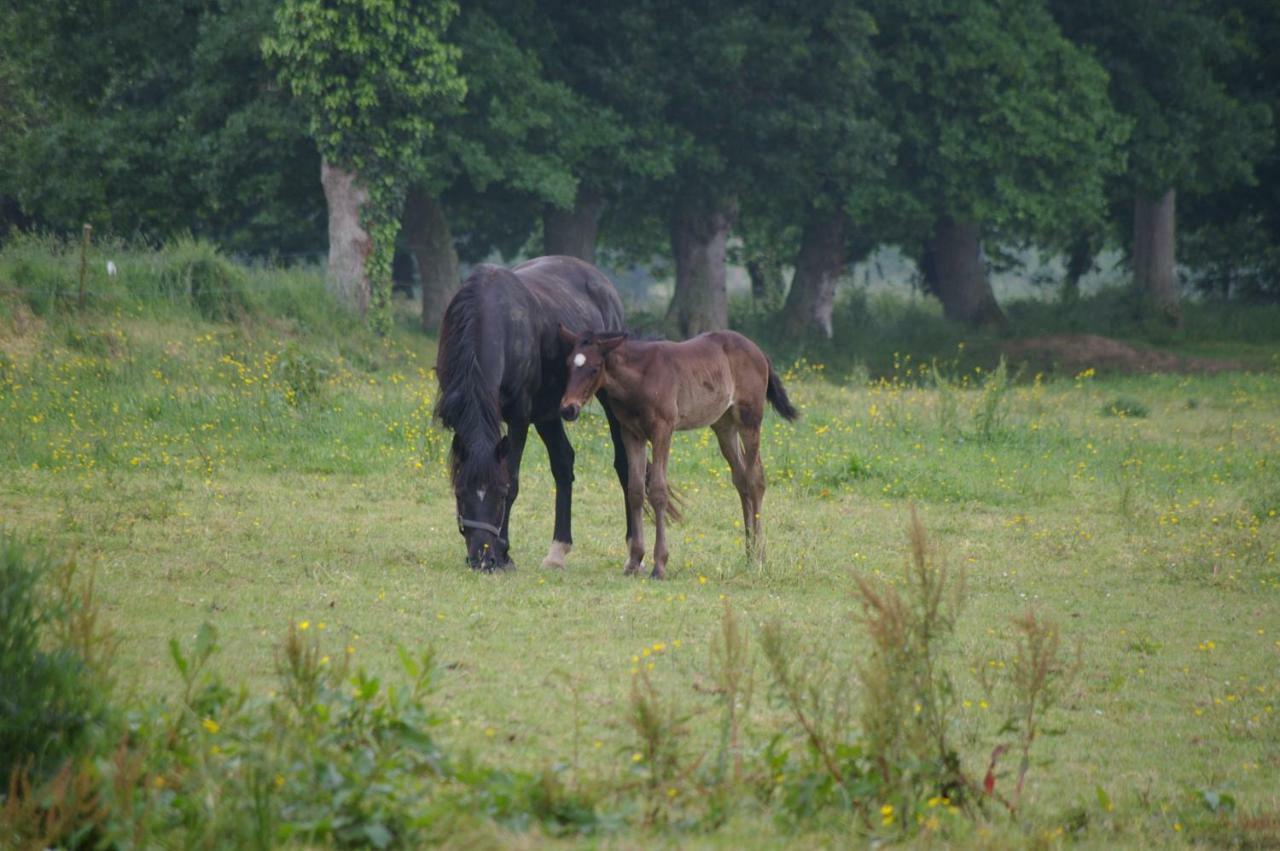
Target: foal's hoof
{"x": 556, "y": 555}
{"x": 658, "y": 573}
{"x": 630, "y": 569}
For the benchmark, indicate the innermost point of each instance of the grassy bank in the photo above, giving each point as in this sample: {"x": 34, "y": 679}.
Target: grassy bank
{"x": 258, "y": 461}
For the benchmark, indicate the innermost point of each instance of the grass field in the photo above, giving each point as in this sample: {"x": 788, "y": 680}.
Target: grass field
{"x": 283, "y": 468}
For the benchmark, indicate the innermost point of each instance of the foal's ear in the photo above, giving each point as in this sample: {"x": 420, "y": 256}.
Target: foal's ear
{"x": 608, "y": 344}
{"x": 567, "y": 337}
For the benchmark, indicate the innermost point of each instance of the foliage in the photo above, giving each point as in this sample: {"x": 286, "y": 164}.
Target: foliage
{"x": 909, "y": 696}
{"x": 1038, "y": 678}
{"x": 370, "y": 75}
{"x": 185, "y": 273}
{"x": 161, "y": 446}
{"x": 1229, "y": 235}
{"x": 1001, "y": 120}
{"x": 1189, "y": 131}
{"x": 155, "y": 120}
{"x": 1123, "y": 406}
{"x": 54, "y": 662}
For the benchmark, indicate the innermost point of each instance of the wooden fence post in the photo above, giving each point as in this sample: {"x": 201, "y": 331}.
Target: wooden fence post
{"x": 84, "y": 252}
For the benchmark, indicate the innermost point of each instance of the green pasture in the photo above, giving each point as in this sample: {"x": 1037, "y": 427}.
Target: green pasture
{"x": 279, "y": 467}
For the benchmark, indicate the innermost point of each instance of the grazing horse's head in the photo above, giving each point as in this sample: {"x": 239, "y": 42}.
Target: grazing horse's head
{"x": 481, "y": 484}
{"x": 587, "y": 356}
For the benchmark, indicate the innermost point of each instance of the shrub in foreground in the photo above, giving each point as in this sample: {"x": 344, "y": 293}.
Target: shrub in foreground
{"x": 53, "y": 662}
{"x": 335, "y": 756}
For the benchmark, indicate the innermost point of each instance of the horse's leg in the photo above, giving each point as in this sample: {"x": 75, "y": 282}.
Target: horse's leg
{"x": 619, "y": 456}
{"x": 560, "y": 453}
{"x": 517, "y": 433}
{"x": 726, "y": 429}
{"x": 658, "y": 499}
{"x": 754, "y": 468}
{"x": 636, "y": 461}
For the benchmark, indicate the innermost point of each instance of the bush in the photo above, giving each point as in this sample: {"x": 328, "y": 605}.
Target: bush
{"x": 53, "y": 663}
{"x": 1124, "y": 406}
{"x": 195, "y": 272}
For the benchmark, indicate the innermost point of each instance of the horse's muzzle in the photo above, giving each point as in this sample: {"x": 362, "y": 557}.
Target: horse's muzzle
{"x": 570, "y": 412}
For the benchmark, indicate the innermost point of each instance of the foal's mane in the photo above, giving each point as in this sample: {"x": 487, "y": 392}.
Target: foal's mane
{"x": 468, "y": 404}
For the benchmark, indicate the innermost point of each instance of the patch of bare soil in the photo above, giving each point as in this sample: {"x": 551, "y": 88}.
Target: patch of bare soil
{"x": 1081, "y": 351}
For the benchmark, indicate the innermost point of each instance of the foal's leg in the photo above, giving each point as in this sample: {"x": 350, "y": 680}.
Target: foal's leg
{"x": 726, "y": 430}
{"x": 755, "y": 484}
{"x": 560, "y": 454}
{"x": 658, "y": 499}
{"x": 635, "y": 446}
{"x": 619, "y": 455}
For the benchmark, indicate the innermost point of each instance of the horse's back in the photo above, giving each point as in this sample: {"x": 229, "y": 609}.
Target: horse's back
{"x": 578, "y": 294}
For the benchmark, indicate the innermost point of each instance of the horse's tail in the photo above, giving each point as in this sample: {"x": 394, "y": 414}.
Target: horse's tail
{"x": 675, "y": 499}
{"x": 777, "y": 396}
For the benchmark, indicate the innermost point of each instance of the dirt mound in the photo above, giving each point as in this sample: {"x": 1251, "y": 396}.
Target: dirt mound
{"x": 1081, "y": 351}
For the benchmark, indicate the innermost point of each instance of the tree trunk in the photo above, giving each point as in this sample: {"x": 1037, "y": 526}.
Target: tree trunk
{"x": 818, "y": 268}
{"x": 767, "y": 284}
{"x": 954, "y": 271}
{"x": 346, "y": 278}
{"x": 699, "y": 233}
{"x": 1154, "y": 230}
{"x": 1080, "y": 257}
{"x": 573, "y": 232}
{"x": 428, "y": 238}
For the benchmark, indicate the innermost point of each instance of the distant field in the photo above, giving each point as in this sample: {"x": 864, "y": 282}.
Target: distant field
{"x": 257, "y": 473}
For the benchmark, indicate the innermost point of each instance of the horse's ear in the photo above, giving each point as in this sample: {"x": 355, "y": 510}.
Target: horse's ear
{"x": 503, "y": 448}
{"x": 608, "y": 344}
{"x": 567, "y": 337}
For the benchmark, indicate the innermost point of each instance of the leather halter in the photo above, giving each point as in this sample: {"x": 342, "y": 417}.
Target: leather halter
{"x": 464, "y": 524}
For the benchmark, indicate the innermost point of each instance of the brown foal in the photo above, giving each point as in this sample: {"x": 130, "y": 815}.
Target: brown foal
{"x": 719, "y": 379}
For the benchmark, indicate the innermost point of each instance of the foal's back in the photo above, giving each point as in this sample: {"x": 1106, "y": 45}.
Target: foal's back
{"x": 703, "y": 377}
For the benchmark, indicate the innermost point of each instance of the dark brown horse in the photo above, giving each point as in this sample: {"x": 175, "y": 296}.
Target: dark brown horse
{"x": 502, "y": 360}
{"x": 719, "y": 379}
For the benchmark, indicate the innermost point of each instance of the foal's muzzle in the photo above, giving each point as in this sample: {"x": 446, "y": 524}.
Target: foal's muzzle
{"x": 570, "y": 412}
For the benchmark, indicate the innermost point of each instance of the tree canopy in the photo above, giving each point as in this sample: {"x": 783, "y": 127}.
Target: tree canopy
{"x": 787, "y": 134}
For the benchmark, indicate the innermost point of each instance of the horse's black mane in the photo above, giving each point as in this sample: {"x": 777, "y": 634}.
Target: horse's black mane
{"x": 468, "y": 403}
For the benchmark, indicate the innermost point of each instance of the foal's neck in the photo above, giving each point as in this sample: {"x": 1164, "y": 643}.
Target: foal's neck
{"x": 622, "y": 378}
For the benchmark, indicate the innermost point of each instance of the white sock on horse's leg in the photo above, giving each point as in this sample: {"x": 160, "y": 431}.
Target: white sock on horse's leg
{"x": 555, "y": 555}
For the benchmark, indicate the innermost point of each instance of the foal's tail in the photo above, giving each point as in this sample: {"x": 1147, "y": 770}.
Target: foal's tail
{"x": 777, "y": 396}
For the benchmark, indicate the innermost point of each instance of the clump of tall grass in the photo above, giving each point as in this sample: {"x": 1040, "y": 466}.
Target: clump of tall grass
{"x": 877, "y": 734}
{"x": 1039, "y": 675}
{"x": 186, "y": 275}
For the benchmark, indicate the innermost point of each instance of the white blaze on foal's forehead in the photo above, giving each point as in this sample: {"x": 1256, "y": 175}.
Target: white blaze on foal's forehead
{"x": 579, "y": 359}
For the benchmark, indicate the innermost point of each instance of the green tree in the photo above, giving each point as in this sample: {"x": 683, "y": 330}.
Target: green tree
{"x": 153, "y": 119}
{"x": 819, "y": 156}
{"x": 1005, "y": 132}
{"x": 1231, "y": 235}
{"x": 1190, "y": 133}
{"x": 499, "y": 155}
{"x": 605, "y": 54}
{"x": 370, "y": 76}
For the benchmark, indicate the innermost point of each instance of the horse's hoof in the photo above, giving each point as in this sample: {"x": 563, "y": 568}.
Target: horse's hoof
{"x": 556, "y": 555}
{"x": 631, "y": 569}
{"x": 658, "y": 573}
